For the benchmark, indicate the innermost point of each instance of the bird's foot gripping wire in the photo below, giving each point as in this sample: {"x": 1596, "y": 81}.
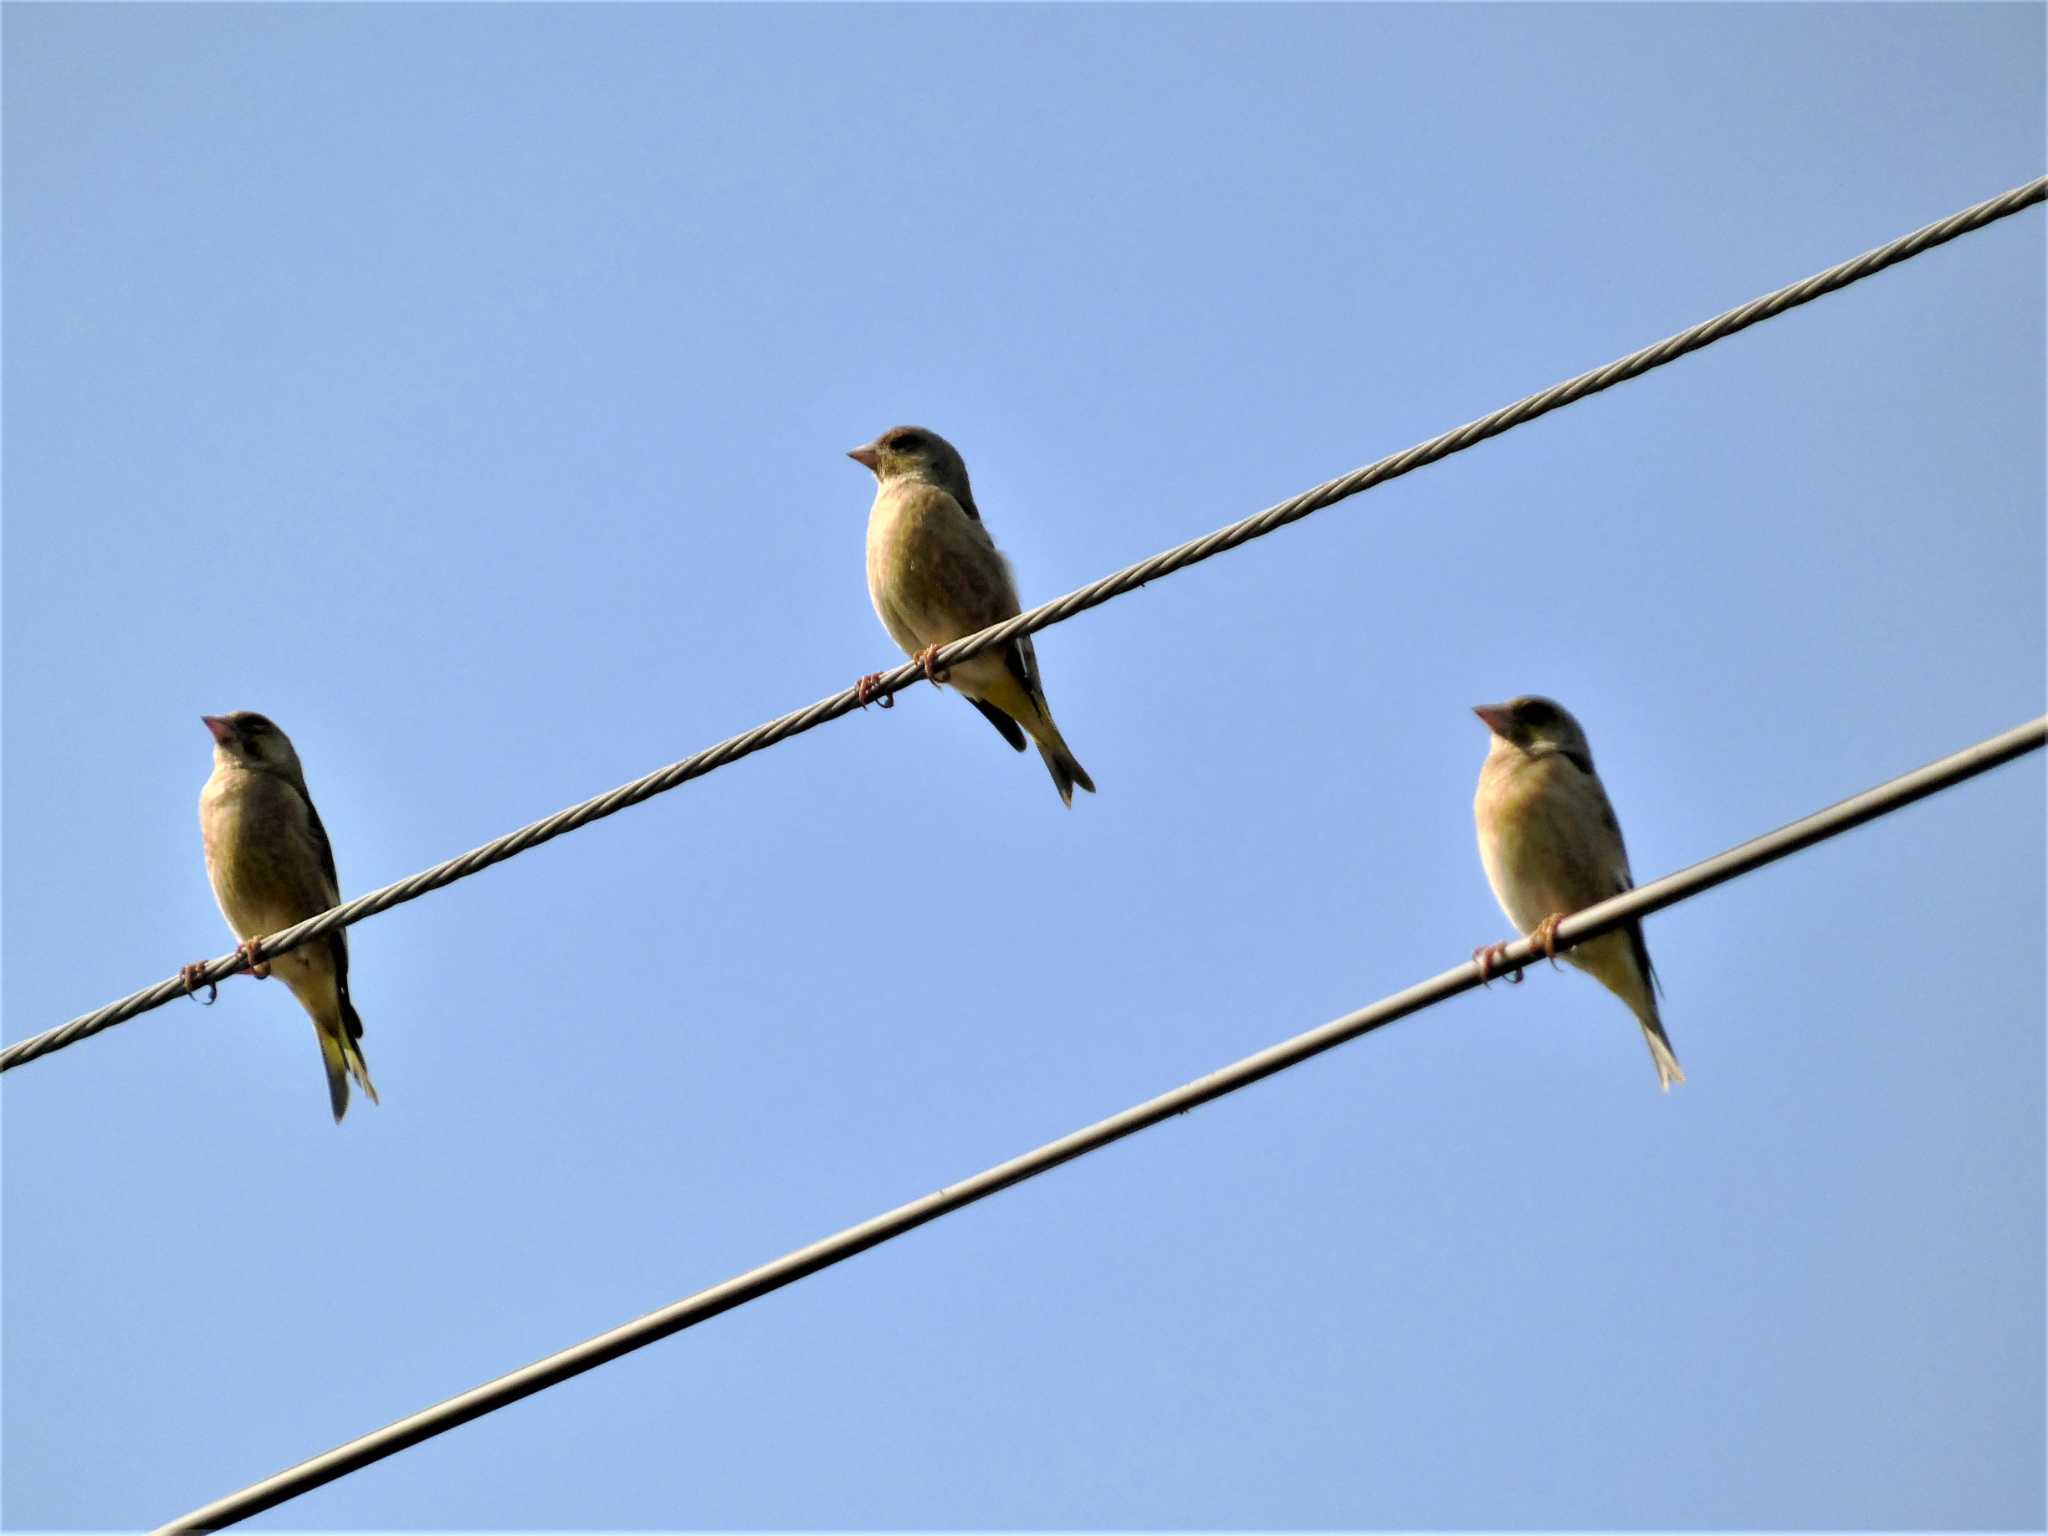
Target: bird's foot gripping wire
{"x": 193, "y": 980}
{"x": 258, "y": 968}
{"x": 1487, "y": 956}
{"x": 1546, "y": 935}
{"x": 864, "y": 692}
{"x": 933, "y": 675}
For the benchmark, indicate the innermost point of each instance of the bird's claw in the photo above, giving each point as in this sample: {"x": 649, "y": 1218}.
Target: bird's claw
{"x": 1487, "y": 956}
{"x": 864, "y": 692}
{"x": 258, "y": 967}
{"x": 1546, "y": 935}
{"x": 933, "y": 675}
{"x": 193, "y": 979}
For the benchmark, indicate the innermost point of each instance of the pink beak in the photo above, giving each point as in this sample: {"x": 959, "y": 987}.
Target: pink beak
{"x": 864, "y": 456}
{"x": 1494, "y": 715}
{"x": 218, "y": 724}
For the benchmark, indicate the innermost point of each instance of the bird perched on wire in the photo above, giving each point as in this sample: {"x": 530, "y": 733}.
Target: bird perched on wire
{"x": 1551, "y": 846}
{"x": 271, "y": 866}
{"x": 935, "y": 575}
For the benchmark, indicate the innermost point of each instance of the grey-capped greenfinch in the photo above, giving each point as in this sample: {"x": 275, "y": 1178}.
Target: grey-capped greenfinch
{"x": 271, "y": 866}
{"x": 935, "y": 575}
{"x": 1552, "y": 846}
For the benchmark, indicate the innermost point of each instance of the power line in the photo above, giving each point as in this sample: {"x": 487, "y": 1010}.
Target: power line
{"x": 1891, "y": 796}
{"x": 1129, "y": 579}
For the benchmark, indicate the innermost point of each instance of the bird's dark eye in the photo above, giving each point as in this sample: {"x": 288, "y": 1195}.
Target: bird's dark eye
{"x": 1538, "y": 713}
{"x": 905, "y": 442}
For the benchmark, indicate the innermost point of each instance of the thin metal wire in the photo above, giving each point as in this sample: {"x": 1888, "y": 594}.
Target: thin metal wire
{"x": 1594, "y": 921}
{"x": 1046, "y": 614}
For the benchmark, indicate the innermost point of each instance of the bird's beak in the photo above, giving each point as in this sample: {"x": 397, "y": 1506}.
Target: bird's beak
{"x": 864, "y": 456}
{"x": 218, "y": 724}
{"x": 1495, "y": 716}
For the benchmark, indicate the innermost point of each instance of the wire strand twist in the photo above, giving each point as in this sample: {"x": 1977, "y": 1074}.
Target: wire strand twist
{"x": 1046, "y": 614}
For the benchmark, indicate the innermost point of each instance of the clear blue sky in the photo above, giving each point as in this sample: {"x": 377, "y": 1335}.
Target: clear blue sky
{"x": 467, "y": 388}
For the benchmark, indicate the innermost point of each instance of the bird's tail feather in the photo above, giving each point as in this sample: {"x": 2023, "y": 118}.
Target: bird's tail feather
{"x": 360, "y": 1070}
{"x": 1003, "y": 699}
{"x": 1668, "y": 1069}
{"x": 1066, "y": 771}
{"x": 332, "y": 1058}
{"x": 1620, "y": 963}
{"x": 343, "y": 1059}
{"x": 1065, "y": 768}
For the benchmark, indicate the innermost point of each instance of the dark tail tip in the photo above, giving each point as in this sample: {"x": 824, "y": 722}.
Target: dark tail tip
{"x": 1066, "y": 774}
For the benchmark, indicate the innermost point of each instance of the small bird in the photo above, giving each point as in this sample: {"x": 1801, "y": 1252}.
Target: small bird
{"x": 935, "y": 575}
{"x": 271, "y": 866}
{"x": 1551, "y": 846}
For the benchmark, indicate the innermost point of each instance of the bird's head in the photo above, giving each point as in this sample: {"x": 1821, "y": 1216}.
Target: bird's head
{"x": 246, "y": 739}
{"x": 1535, "y": 726}
{"x": 917, "y": 453}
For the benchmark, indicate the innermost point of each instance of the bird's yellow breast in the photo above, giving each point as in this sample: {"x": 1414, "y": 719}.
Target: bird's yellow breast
{"x": 933, "y": 572}
{"x": 259, "y": 853}
{"x": 1531, "y": 837}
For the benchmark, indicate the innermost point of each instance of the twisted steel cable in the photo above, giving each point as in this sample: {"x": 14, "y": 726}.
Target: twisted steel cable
{"x": 1046, "y": 614}
{"x": 1894, "y": 794}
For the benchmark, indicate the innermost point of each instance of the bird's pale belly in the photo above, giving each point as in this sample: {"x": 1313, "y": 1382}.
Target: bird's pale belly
{"x": 930, "y": 582}
{"x": 257, "y": 890}
{"x": 1521, "y": 872}
{"x": 1531, "y": 855}
{"x": 895, "y": 581}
